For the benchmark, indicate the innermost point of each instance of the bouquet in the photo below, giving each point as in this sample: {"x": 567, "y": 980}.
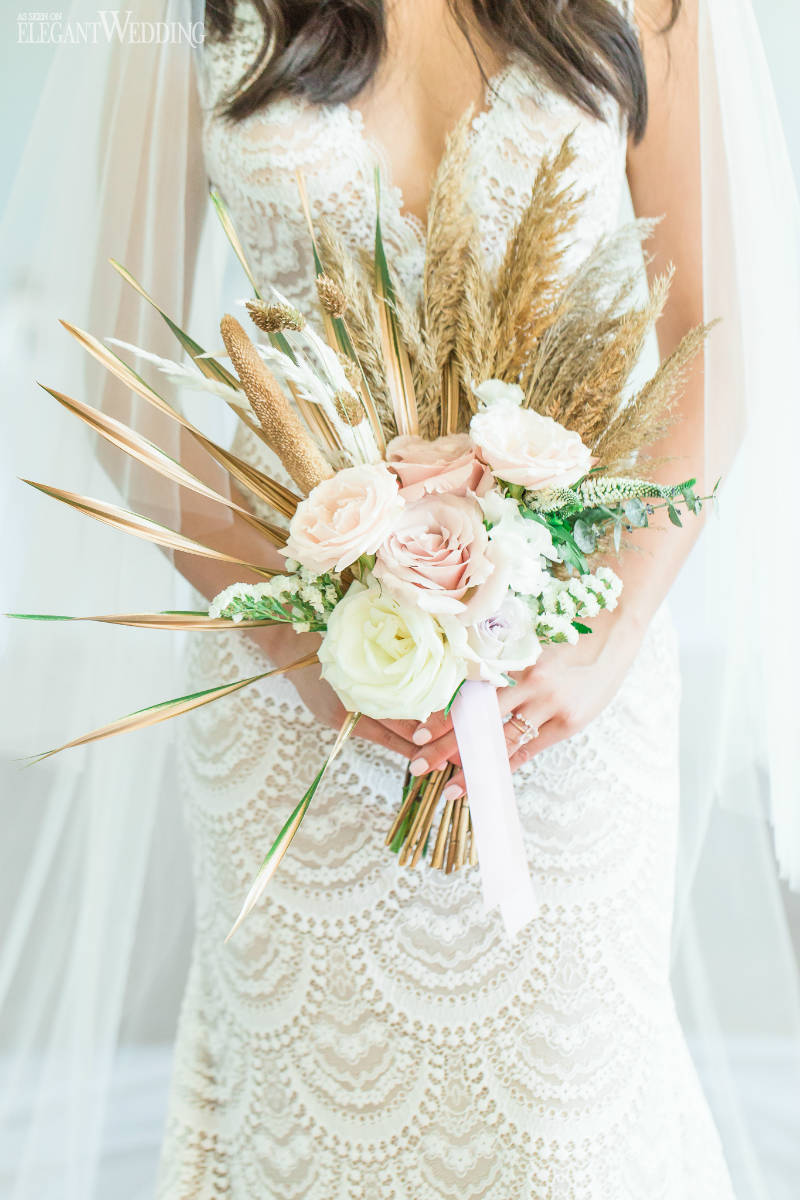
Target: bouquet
{"x": 452, "y": 465}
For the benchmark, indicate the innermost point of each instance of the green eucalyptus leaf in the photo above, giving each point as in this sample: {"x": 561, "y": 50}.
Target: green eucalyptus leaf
{"x": 585, "y": 536}
{"x": 635, "y": 512}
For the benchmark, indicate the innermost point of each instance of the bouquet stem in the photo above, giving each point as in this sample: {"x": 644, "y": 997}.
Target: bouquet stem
{"x": 409, "y": 836}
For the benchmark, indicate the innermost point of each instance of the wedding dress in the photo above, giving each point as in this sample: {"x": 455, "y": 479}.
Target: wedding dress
{"x": 370, "y": 1033}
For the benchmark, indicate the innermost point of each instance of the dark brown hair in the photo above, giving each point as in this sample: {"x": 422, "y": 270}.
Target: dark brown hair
{"x": 328, "y": 50}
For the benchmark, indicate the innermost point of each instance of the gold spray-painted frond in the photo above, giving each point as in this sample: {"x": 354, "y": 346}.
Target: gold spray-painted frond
{"x": 282, "y": 427}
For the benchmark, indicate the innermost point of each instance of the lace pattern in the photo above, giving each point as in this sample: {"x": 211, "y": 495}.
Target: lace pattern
{"x": 370, "y": 1033}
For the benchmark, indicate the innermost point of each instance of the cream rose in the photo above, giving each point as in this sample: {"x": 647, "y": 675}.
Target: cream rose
{"x": 388, "y": 660}
{"x": 435, "y": 553}
{"x": 446, "y": 464}
{"x": 344, "y": 517}
{"x": 523, "y": 447}
{"x": 503, "y": 642}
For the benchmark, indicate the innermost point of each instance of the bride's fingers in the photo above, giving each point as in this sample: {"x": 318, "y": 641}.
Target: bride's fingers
{"x": 436, "y": 726}
{"x": 435, "y": 756}
{"x": 519, "y": 735}
{"x": 519, "y": 729}
{"x": 554, "y": 731}
{"x": 376, "y": 731}
{"x": 403, "y": 729}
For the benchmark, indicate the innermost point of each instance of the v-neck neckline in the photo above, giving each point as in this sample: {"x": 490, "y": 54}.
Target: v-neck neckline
{"x": 374, "y": 148}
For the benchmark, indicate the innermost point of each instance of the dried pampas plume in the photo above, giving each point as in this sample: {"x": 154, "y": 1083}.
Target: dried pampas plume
{"x": 282, "y": 427}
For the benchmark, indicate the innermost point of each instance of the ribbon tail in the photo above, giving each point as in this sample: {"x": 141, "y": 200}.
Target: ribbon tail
{"x": 505, "y": 876}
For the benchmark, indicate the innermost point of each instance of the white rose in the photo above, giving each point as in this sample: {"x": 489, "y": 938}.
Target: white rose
{"x": 388, "y": 660}
{"x": 523, "y": 447}
{"x": 503, "y": 642}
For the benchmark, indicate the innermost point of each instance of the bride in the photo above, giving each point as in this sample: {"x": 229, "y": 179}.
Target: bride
{"x": 370, "y": 1033}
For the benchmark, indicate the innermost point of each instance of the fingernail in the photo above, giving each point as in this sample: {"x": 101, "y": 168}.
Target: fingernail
{"x": 419, "y": 766}
{"x": 452, "y": 792}
{"x": 421, "y": 736}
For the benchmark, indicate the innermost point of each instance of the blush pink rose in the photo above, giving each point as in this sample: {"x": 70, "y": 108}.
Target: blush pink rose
{"x": 344, "y": 517}
{"x": 447, "y": 464}
{"x": 523, "y": 447}
{"x": 435, "y": 554}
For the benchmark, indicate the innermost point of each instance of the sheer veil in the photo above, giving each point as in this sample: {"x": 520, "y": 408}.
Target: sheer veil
{"x": 95, "y": 876}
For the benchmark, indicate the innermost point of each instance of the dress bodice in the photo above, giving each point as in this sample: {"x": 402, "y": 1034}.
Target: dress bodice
{"x": 253, "y": 163}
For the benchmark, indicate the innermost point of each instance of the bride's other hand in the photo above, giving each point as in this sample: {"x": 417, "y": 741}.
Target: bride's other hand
{"x": 283, "y": 646}
{"x": 558, "y": 697}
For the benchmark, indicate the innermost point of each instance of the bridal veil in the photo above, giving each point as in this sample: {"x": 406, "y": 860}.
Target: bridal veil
{"x": 95, "y": 877}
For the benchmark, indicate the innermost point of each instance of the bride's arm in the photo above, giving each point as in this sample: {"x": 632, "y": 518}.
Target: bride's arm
{"x": 570, "y": 685}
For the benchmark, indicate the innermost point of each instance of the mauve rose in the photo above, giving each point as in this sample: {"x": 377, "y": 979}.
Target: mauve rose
{"x": 344, "y": 517}
{"x": 504, "y": 641}
{"x": 435, "y": 553}
{"x": 447, "y": 464}
{"x": 523, "y": 447}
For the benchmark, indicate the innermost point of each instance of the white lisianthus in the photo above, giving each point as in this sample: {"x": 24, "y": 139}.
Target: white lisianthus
{"x": 387, "y": 659}
{"x": 494, "y": 391}
{"x": 503, "y": 642}
{"x": 502, "y": 513}
{"x": 517, "y": 551}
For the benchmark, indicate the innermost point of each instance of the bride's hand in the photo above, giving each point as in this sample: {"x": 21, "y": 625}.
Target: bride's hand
{"x": 566, "y": 689}
{"x": 284, "y": 646}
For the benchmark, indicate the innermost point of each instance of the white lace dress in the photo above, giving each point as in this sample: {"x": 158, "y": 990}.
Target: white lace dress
{"x": 370, "y": 1033}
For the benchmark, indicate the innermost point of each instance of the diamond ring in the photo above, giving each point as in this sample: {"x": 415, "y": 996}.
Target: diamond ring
{"x": 526, "y": 729}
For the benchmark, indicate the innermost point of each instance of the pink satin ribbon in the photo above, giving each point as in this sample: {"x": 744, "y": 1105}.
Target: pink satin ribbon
{"x": 505, "y": 876}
